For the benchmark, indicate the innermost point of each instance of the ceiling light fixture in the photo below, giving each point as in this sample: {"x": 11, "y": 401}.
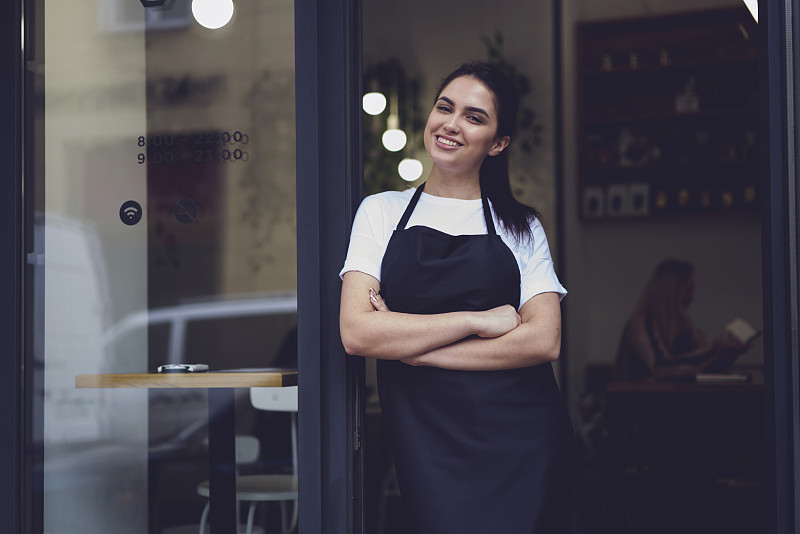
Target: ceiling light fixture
{"x": 373, "y": 103}
{"x": 212, "y": 14}
{"x": 394, "y": 139}
{"x": 410, "y": 169}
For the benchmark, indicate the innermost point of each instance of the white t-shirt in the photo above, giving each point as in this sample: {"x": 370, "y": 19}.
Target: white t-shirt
{"x": 378, "y": 215}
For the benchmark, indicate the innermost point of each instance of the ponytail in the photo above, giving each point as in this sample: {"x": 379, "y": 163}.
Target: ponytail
{"x": 495, "y": 181}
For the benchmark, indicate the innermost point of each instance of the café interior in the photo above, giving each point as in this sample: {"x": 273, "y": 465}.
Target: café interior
{"x": 638, "y": 144}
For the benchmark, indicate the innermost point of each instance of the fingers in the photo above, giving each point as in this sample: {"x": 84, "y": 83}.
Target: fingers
{"x": 513, "y": 312}
{"x": 377, "y": 300}
{"x": 498, "y": 321}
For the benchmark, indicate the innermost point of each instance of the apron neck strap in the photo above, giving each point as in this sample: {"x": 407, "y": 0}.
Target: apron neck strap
{"x": 487, "y": 212}
{"x": 487, "y": 215}
{"x": 410, "y": 208}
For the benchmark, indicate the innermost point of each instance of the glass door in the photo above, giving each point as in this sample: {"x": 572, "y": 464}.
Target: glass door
{"x": 162, "y": 230}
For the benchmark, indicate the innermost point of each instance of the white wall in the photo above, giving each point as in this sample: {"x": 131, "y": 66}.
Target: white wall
{"x": 608, "y": 263}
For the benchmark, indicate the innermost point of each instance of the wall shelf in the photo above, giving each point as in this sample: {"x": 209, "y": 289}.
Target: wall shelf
{"x": 668, "y": 116}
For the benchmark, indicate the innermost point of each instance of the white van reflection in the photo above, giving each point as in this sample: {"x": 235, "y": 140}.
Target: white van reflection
{"x": 178, "y": 413}
{"x": 97, "y": 444}
{"x": 79, "y": 341}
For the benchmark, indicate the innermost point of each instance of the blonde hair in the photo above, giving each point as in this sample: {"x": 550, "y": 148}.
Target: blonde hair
{"x": 661, "y": 302}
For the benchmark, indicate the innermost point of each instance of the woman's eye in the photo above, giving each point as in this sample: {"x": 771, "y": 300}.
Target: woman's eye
{"x": 475, "y": 118}
{"x": 444, "y": 108}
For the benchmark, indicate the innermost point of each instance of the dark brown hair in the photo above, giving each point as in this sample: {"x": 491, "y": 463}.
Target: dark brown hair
{"x": 515, "y": 216}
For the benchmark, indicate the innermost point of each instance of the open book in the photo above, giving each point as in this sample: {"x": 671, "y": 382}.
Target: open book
{"x": 742, "y": 330}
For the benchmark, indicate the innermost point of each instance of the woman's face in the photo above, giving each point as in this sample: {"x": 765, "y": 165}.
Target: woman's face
{"x": 462, "y": 126}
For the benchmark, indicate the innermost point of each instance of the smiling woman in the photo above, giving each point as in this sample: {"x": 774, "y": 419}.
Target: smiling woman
{"x": 453, "y": 291}
{"x": 460, "y": 132}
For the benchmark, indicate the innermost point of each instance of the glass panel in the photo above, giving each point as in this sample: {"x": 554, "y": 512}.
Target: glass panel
{"x": 164, "y": 232}
{"x": 660, "y": 160}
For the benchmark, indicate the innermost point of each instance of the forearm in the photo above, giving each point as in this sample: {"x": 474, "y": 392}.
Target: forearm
{"x": 665, "y": 372}
{"x": 696, "y": 354}
{"x": 699, "y": 350}
{"x": 525, "y": 346}
{"x": 369, "y": 328}
{"x": 394, "y": 336}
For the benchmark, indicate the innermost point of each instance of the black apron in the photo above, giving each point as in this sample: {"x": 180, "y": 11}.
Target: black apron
{"x": 475, "y": 451}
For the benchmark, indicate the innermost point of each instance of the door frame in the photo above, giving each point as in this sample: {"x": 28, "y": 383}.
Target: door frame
{"x": 329, "y": 174}
{"x": 11, "y": 265}
{"x": 778, "y": 72}
{"x": 329, "y": 189}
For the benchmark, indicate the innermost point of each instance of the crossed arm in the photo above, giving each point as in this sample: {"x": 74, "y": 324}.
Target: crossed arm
{"x": 494, "y": 339}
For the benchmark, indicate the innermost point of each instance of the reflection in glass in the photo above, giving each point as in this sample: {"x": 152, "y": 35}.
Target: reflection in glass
{"x": 165, "y": 232}
{"x": 212, "y": 14}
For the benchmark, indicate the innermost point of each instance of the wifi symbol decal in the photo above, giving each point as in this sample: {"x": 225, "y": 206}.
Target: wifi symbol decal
{"x": 130, "y": 212}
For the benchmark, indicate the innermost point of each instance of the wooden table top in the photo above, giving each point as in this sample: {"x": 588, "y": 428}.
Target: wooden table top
{"x": 651, "y": 386}
{"x": 267, "y": 378}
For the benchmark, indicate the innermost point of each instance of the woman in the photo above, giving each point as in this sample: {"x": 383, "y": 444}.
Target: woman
{"x": 660, "y": 339}
{"x": 453, "y": 290}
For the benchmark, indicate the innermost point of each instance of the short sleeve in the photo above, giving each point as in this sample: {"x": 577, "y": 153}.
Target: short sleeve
{"x": 367, "y": 242}
{"x": 536, "y": 268}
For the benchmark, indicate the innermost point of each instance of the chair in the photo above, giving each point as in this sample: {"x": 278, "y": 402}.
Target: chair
{"x": 260, "y": 488}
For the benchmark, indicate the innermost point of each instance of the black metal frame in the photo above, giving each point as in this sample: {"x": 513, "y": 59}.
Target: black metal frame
{"x": 558, "y": 177}
{"x": 11, "y": 265}
{"x": 329, "y": 176}
{"x": 328, "y": 187}
{"x": 779, "y": 150}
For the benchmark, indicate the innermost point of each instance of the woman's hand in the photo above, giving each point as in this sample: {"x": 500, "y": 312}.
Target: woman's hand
{"x": 727, "y": 342}
{"x": 727, "y": 349}
{"x": 377, "y": 300}
{"x": 534, "y": 337}
{"x": 490, "y": 323}
{"x": 498, "y": 321}
{"x": 390, "y": 335}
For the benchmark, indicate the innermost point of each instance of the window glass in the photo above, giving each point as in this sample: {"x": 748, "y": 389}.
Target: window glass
{"x": 164, "y": 232}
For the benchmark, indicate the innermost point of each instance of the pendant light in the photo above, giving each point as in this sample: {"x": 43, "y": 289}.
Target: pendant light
{"x": 394, "y": 139}
{"x": 410, "y": 168}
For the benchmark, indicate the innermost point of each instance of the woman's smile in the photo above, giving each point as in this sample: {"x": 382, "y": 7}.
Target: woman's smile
{"x": 462, "y": 128}
{"x": 447, "y": 142}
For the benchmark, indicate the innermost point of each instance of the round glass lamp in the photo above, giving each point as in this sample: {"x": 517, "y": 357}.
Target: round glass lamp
{"x": 212, "y": 14}
{"x": 394, "y": 139}
{"x": 410, "y": 169}
{"x": 373, "y": 103}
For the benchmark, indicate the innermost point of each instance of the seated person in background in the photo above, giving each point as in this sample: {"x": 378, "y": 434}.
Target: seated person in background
{"x": 660, "y": 339}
